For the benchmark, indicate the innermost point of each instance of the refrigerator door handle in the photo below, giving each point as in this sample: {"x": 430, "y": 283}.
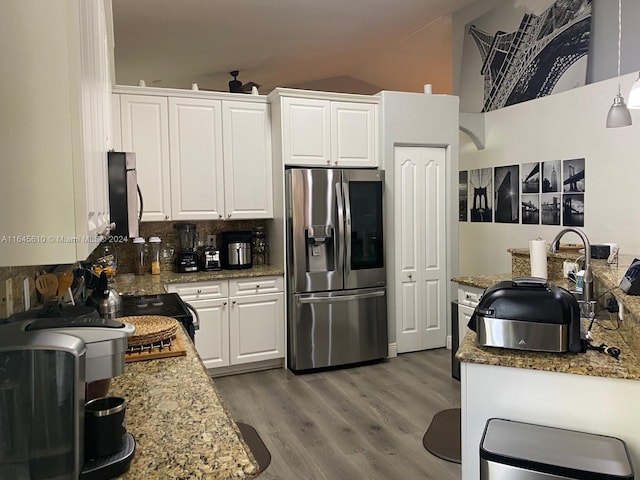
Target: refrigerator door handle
{"x": 341, "y": 298}
{"x": 339, "y": 238}
{"x": 347, "y": 226}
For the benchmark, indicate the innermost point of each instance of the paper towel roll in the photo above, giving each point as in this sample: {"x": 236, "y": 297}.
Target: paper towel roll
{"x": 538, "y": 257}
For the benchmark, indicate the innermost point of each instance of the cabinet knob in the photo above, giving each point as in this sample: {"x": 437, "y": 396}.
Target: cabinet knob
{"x": 410, "y": 276}
{"x": 228, "y": 215}
{"x": 233, "y": 303}
{"x": 224, "y": 304}
{"x": 219, "y": 215}
{"x": 199, "y": 291}
{"x": 328, "y": 162}
{"x": 257, "y": 286}
{"x": 166, "y": 217}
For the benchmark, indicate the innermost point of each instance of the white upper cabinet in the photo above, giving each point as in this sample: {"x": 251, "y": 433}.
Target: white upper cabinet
{"x": 55, "y": 132}
{"x": 248, "y": 186}
{"x": 197, "y": 178}
{"x": 354, "y": 128}
{"x": 306, "y": 131}
{"x": 200, "y": 156}
{"x": 326, "y": 129}
{"x": 145, "y": 131}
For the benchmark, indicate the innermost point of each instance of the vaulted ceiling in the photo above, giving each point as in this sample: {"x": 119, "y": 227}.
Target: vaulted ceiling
{"x": 355, "y": 46}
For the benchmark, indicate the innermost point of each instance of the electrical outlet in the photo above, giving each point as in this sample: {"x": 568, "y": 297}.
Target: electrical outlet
{"x": 9, "y": 288}
{"x": 26, "y": 291}
{"x": 620, "y": 310}
{"x": 6, "y": 298}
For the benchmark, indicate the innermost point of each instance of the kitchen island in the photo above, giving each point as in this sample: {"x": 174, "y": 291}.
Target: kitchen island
{"x": 590, "y": 392}
{"x": 181, "y": 425}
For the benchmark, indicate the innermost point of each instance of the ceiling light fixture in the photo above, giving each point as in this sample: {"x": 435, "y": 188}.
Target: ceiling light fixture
{"x": 619, "y": 115}
{"x": 634, "y": 94}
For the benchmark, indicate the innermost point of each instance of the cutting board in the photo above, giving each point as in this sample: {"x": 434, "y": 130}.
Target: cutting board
{"x": 176, "y": 350}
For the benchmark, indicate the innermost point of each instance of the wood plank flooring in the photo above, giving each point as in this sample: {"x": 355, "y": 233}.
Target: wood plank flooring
{"x": 354, "y": 423}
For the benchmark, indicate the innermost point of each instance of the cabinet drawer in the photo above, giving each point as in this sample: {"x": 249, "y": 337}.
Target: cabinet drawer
{"x": 255, "y": 285}
{"x": 469, "y": 295}
{"x": 200, "y": 290}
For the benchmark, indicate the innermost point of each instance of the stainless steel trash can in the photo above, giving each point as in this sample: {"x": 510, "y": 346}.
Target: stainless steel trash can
{"x": 512, "y": 450}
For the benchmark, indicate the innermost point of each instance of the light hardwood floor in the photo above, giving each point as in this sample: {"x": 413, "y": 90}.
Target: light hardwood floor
{"x": 354, "y": 423}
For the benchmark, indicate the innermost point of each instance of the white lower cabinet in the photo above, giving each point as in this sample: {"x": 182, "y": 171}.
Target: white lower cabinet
{"x": 256, "y": 328}
{"x": 243, "y": 329}
{"x": 468, "y": 299}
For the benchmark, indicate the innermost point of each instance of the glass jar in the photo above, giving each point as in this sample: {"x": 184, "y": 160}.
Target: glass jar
{"x": 154, "y": 244}
{"x": 107, "y": 261}
{"x": 260, "y": 247}
{"x": 139, "y": 249}
{"x": 166, "y": 257}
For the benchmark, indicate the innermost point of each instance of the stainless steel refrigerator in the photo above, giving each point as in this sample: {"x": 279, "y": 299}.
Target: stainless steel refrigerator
{"x": 337, "y": 302}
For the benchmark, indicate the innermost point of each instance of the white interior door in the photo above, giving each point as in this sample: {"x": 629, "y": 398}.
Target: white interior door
{"x": 420, "y": 236}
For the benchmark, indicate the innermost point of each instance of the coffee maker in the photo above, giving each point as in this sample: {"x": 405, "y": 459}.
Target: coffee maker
{"x": 210, "y": 255}
{"x": 187, "y": 258}
{"x": 45, "y": 365}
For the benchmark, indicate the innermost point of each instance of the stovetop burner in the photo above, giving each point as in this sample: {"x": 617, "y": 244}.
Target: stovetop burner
{"x": 165, "y": 304}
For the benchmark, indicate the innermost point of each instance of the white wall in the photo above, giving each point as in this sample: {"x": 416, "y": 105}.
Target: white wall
{"x": 419, "y": 119}
{"x": 562, "y": 126}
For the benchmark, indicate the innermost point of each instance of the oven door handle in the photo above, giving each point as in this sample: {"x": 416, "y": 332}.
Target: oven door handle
{"x": 196, "y": 320}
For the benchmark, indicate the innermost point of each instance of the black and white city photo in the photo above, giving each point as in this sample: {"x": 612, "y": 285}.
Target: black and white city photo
{"x": 530, "y": 209}
{"x": 551, "y": 177}
{"x": 463, "y": 195}
{"x": 480, "y": 194}
{"x": 573, "y": 210}
{"x": 573, "y": 175}
{"x": 550, "y": 207}
{"x": 523, "y": 50}
{"x": 531, "y": 177}
{"x": 506, "y": 181}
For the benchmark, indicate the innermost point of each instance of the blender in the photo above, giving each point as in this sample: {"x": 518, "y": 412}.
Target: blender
{"x": 187, "y": 258}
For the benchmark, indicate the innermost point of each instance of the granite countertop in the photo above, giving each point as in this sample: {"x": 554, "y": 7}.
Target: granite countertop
{"x": 486, "y": 281}
{"x": 181, "y": 425}
{"x": 147, "y": 284}
{"x": 590, "y": 363}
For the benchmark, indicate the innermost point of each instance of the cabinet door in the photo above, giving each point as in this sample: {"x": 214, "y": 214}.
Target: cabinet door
{"x": 256, "y": 328}
{"x": 464, "y": 315}
{"x": 306, "y": 132}
{"x": 354, "y": 134}
{"x": 212, "y": 338}
{"x": 195, "y": 139}
{"x": 248, "y": 186}
{"x": 145, "y": 131}
{"x": 96, "y": 119}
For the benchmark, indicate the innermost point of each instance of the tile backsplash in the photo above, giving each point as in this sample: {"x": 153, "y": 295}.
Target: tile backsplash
{"x": 17, "y": 276}
{"x": 166, "y": 231}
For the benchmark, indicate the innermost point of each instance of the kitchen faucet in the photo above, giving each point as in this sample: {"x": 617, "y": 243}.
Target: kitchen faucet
{"x": 587, "y": 295}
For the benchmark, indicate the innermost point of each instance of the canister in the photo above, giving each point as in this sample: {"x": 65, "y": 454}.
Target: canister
{"x": 154, "y": 243}
{"x": 139, "y": 264}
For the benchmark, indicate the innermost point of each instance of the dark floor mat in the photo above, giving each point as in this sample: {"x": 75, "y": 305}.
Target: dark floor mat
{"x": 443, "y": 435}
{"x": 256, "y": 445}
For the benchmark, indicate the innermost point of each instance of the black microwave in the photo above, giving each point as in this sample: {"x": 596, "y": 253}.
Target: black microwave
{"x": 125, "y": 198}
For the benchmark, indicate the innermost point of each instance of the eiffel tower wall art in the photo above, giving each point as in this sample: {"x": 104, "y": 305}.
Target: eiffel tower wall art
{"x": 522, "y": 50}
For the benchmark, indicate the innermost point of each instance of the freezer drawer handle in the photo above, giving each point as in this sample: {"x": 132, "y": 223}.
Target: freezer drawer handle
{"x": 341, "y": 298}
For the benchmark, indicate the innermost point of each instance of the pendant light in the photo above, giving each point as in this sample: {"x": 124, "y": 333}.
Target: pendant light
{"x": 634, "y": 94}
{"x": 619, "y": 115}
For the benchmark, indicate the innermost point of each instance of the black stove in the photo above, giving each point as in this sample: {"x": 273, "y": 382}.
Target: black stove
{"x": 166, "y": 304}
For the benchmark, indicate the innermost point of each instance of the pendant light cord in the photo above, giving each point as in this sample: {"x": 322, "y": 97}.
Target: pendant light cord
{"x": 619, "y": 39}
